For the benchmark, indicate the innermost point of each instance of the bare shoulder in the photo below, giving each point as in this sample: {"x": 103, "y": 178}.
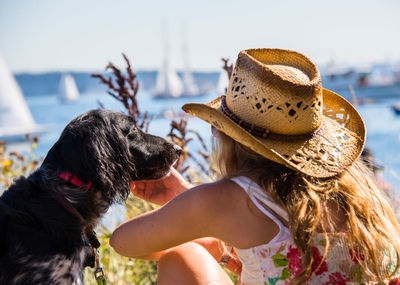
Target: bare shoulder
{"x": 213, "y": 199}
{"x": 220, "y": 198}
{"x": 231, "y": 214}
{"x": 219, "y": 192}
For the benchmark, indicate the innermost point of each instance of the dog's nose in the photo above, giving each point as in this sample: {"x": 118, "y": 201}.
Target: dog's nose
{"x": 178, "y": 149}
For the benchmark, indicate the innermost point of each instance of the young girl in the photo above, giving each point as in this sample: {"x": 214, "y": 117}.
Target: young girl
{"x": 294, "y": 200}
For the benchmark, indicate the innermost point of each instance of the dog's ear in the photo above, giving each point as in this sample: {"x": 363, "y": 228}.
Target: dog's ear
{"x": 105, "y": 156}
{"x": 94, "y": 147}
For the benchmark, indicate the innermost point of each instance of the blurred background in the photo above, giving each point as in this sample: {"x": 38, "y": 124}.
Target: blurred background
{"x": 49, "y": 49}
{"x": 52, "y": 47}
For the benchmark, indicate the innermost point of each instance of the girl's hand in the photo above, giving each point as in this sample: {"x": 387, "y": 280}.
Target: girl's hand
{"x": 163, "y": 190}
{"x": 218, "y": 250}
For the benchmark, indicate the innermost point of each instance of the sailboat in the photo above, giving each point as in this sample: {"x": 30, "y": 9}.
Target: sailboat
{"x": 15, "y": 117}
{"x": 68, "y": 89}
{"x": 223, "y": 82}
{"x": 190, "y": 87}
{"x": 168, "y": 82}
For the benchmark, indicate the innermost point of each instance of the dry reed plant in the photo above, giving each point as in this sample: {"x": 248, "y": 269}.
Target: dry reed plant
{"x": 124, "y": 88}
{"x": 227, "y": 67}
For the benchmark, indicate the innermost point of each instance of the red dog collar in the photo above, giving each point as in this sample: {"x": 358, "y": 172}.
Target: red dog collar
{"x": 74, "y": 180}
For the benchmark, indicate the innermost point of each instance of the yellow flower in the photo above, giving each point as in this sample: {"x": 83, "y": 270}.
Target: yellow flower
{"x": 7, "y": 162}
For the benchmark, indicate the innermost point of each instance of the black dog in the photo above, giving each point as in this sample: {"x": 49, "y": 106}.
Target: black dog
{"x": 47, "y": 218}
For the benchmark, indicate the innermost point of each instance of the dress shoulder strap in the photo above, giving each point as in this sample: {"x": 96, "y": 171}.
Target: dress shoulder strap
{"x": 262, "y": 200}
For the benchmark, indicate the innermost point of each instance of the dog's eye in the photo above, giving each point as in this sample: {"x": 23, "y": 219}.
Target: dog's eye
{"x": 133, "y": 134}
{"x": 129, "y": 130}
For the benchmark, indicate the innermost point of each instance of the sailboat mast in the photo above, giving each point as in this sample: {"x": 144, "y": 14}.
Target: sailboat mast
{"x": 190, "y": 87}
{"x": 168, "y": 82}
{"x": 166, "y": 65}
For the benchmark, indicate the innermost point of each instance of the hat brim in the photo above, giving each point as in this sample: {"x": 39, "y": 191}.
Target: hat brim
{"x": 324, "y": 153}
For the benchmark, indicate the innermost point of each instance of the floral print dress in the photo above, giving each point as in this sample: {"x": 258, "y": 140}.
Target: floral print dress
{"x": 279, "y": 261}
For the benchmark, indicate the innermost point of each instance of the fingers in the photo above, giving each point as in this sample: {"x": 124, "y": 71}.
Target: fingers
{"x": 143, "y": 189}
{"x": 175, "y": 173}
{"x": 132, "y": 185}
{"x": 234, "y": 265}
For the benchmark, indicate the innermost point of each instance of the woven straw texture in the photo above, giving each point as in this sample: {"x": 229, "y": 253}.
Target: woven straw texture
{"x": 310, "y": 129}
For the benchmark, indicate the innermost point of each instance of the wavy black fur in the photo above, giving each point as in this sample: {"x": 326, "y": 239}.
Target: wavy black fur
{"x": 43, "y": 243}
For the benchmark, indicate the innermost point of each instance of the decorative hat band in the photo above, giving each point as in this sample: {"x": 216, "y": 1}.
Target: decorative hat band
{"x": 251, "y": 128}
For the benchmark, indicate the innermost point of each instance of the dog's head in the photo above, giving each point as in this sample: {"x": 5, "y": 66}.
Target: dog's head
{"x": 107, "y": 149}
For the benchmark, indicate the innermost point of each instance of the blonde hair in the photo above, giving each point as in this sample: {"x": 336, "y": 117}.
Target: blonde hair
{"x": 372, "y": 228}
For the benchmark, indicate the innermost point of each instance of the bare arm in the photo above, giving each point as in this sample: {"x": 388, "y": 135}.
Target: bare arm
{"x": 212, "y": 245}
{"x": 185, "y": 218}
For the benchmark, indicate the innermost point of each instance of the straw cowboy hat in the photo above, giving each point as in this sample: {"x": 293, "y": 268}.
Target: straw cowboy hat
{"x": 276, "y": 106}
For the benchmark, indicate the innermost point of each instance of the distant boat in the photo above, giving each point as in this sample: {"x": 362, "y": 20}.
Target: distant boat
{"x": 223, "y": 82}
{"x": 375, "y": 82}
{"x": 15, "y": 117}
{"x": 168, "y": 82}
{"x": 340, "y": 78}
{"x": 67, "y": 89}
{"x": 395, "y": 109}
{"x": 190, "y": 88}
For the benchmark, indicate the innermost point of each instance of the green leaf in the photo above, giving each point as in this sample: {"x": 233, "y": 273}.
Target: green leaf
{"x": 286, "y": 273}
{"x": 280, "y": 260}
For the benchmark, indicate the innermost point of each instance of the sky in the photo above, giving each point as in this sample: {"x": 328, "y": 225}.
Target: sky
{"x": 84, "y": 35}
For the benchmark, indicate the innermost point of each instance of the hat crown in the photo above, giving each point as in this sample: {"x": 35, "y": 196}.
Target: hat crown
{"x": 279, "y": 90}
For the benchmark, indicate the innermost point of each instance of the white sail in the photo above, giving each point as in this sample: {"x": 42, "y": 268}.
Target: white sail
{"x": 68, "y": 89}
{"x": 168, "y": 83}
{"x": 15, "y": 116}
{"x": 190, "y": 87}
{"x": 223, "y": 82}
{"x": 160, "y": 81}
